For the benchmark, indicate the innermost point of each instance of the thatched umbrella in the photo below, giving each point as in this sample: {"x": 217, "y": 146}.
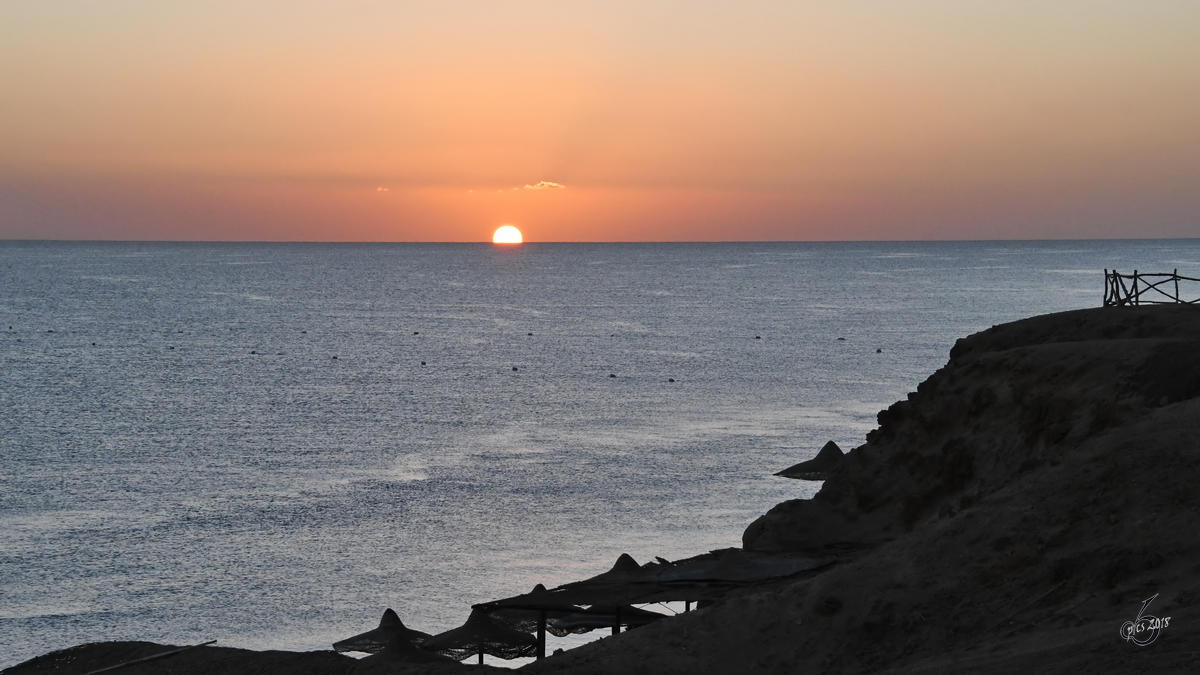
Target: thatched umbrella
{"x": 391, "y": 641}
{"x": 481, "y": 635}
{"x": 406, "y": 652}
{"x": 817, "y": 468}
{"x": 390, "y": 631}
{"x": 527, "y": 620}
{"x": 625, "y": 570}
{"x": 603, "y": 617}
{"x": 621, "y": 570}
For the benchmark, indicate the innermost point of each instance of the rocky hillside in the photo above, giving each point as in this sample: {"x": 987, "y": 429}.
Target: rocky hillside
{"x": 1009, "y": 516}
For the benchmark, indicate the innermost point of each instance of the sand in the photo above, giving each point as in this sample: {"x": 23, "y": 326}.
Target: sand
{"x": 1009, "y": 516}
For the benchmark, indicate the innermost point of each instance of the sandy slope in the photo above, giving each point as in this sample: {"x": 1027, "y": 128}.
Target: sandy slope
{"x": 1008, "y": 517}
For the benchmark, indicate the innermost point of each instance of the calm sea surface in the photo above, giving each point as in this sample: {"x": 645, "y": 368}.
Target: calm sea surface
{"x": 268, "y": 444}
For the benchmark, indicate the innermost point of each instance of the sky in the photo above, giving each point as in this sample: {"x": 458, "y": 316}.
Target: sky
{"x": 652, "y": 120}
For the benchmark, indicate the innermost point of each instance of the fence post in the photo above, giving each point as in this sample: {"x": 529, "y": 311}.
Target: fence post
{"x": 1121, "y": 290}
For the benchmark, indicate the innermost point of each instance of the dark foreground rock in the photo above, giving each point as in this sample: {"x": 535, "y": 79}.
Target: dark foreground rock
{"x": 214, "y": 660}
{"x": 1008, "y": 517}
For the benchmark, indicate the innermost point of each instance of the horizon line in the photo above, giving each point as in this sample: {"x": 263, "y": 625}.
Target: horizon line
{"x": 4, "y": 240}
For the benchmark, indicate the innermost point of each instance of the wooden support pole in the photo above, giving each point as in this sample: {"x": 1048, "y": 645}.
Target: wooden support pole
{"x": 687, "y": 605}
{"x": 151, "y": 658}
{"x": 481, "y": 655}
{"x": 617, "y": 621}
{"x": 541, "y": 653}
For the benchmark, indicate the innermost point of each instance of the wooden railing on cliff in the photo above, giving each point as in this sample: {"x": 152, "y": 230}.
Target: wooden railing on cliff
{"x": 1155, "y": 288}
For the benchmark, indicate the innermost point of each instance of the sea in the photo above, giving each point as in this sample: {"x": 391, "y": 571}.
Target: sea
{"x": 269, "y": 444}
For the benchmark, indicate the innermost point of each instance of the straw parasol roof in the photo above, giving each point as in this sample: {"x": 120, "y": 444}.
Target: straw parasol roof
{"x": 391, "y": 631}
{"x": 403, "y": 651}
{"x": 481, "y": 635}
{"x": 602, "y": 617}
{"x": 817, "y": 468}
{"x": 708, "y": 576}
{"x": 526, "y": 620}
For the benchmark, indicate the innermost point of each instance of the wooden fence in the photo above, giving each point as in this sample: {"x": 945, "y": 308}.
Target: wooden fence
{"x": 1155, "y": 288}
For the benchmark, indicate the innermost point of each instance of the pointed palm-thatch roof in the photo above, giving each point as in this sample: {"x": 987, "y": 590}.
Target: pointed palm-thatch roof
{"x": 527, "y": 620}
{"x": 403, "y": 651}
{"x": 817, "y": 468}
{"x": 598, "y": 616}
{"x": 391, "y": 631}
{"x": 481, "y": 635}
{"x": 708, "y": 576}
{"x": 625, "y": 569}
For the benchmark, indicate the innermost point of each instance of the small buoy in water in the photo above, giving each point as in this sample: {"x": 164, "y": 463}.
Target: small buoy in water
{"x": 335, "y": 358}
{"x": 841, "y": 339}
{"x": 416, "y": 332}
{"x": 422, "y": 363}
{"x": 611, "y": 375}
{"x": 757, "y": 337}
{"x": 304, "y": 331}
{"x": 530, "y": 333}
{"x": 253, "y": 352}
{"x": 514, "y": 367}
{"x": 878, "y": 351}
{"x": 93, "y": 344}
{"x": 670, "y": 379}
{"x": 49, "y": 331}
{"x": 172, "y": 347}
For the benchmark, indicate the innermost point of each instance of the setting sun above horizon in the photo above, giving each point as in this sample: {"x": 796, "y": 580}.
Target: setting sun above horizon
{"x": 646, "y": 121}
{"x": 507, "y": 234}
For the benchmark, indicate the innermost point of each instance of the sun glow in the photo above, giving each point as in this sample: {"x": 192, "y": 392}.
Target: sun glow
{"x": 507, "y": 235}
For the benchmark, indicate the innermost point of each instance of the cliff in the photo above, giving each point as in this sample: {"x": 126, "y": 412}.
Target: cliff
{"x": 1009, "y": 516}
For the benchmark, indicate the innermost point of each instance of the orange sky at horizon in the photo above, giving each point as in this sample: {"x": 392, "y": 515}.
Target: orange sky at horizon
{"x": 665, "y": 121}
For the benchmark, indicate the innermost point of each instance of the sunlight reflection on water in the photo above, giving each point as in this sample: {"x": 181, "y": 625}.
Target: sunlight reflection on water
{"x": 240, "y": 441}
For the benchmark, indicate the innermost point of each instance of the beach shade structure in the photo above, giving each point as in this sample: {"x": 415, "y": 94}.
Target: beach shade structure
{"x": 603, "y": 617}
{"x": 817, "y": 468}
{"x": 482, "y": 634}
{"x": 390, "y": 633}
{"x": 625, "y": 563}
{"x": 624, "y": 570}
{"x": 533, "y": 620}
{"x": 403, "y": 651}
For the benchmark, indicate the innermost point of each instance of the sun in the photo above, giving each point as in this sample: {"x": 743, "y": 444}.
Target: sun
{"x": 507, "y": 234}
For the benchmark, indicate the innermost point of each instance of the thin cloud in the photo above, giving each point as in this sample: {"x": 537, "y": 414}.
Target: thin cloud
{"x": 545, "y": 185}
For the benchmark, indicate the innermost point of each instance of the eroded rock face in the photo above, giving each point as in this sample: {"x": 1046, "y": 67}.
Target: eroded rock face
{"x": 1011, "y": 399}
{"x": 1019, "y": 508}
{"x": 1016, "y": 510}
